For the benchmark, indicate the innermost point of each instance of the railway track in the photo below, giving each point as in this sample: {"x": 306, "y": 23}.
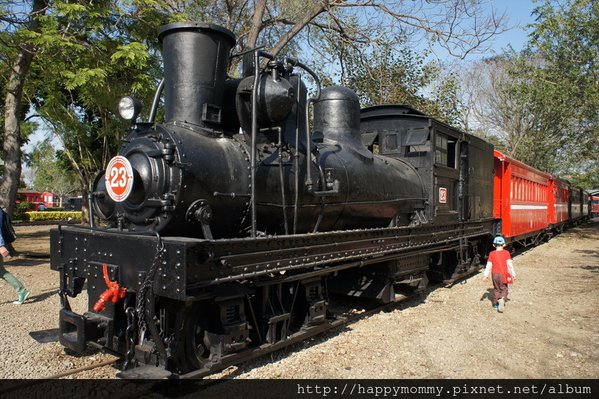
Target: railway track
{"x": 82, "y": 369}
{"x": 14, "y": 386}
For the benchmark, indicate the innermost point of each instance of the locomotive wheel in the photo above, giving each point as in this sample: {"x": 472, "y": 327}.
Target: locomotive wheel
{"x": 191, "y": 339}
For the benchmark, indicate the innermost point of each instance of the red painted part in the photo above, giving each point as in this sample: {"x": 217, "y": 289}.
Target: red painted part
{"x": 561, "y": 196}
{"x": 595, "y": 205}
{"x": 522, "y": 197}
{"x": 585, "y": 199}
{"x": 113, "y": 294}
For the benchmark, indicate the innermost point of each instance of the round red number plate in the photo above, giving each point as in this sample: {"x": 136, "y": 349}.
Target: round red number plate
{"x": 119, "y": 178}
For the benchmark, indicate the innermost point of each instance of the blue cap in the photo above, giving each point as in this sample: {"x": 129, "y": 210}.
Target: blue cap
{"x": 499, "y": 241}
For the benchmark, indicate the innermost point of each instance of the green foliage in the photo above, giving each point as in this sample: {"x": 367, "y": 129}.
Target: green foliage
{"x": 25, "y": 207}
{"x": 131, "y": 54}
{"x": 567, "y": 39}
{"x": 51, "y": 172}
{"x": 89, "y": 55}
{"x": 94, "y": 77}
{"x": 21, "y": 210}
{"x": 532, "y": 110}
{"x": 51, "y": 215}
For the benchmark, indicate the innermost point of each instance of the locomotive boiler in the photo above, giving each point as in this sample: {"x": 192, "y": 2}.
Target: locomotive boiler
{"x": 222, "y": 232}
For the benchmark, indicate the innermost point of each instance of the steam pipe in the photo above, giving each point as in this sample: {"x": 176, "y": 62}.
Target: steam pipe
{"x": 254, "y": 134}
{"x": 296, "y": 63}
{"x": 308, "y": 182}
{"x": 282, "y": 180}
{"x": 297, "y": 155}
{"x": 257, "y": 55}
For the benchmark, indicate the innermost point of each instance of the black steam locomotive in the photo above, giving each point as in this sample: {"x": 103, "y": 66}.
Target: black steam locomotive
{"x": 226, "y": 230}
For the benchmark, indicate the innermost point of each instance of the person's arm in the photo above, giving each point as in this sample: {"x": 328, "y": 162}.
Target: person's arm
{"x": 488, "y": 268}
{"x": 3, "y": 250}
{"x": 510, "y": 268}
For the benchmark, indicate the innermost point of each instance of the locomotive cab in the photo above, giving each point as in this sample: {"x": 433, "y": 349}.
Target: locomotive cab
{"x": 455, "y": 167}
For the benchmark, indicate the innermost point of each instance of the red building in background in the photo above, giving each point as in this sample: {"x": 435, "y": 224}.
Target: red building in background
{"x": 40, "y": 198}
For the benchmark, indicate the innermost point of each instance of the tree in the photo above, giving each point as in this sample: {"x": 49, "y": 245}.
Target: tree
{"x": 51, "y": 173}
{"x": 392, "y": 73}
{"x": 68, "y": 82}
{"x": 566, "y": 38}
{"x": 86, "y": 68}
{"x": 541, "y": 104}
{"x": 509, "y": 106}
{"x": 17, "y": 76}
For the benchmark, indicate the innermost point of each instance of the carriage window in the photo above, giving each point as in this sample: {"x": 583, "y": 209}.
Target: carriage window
{"x": 445, "y": 150}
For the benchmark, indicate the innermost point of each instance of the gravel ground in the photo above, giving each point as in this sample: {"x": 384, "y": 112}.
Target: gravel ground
{"x": 550, "y": 328}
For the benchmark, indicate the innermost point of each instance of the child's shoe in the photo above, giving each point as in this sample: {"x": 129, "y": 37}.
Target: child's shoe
{"x": 496, "y": 307}
{"x": 501, "y": 307}
{"x": 23, "y": 295}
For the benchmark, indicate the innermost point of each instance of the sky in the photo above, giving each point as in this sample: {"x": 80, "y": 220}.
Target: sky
{"x": 519, "y": 14}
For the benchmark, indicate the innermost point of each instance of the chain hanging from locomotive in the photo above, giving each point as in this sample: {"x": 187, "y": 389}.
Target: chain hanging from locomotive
{"x": 236, "y": 157}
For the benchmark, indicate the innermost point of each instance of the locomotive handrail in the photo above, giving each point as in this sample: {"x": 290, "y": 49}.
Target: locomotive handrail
{"x": 282, "y": 180}
{"x": 90, "y": 210}
{"x": 154, "y": 107}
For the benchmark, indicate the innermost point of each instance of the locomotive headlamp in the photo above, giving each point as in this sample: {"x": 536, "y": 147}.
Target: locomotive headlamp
{"x": 129, "y": 108}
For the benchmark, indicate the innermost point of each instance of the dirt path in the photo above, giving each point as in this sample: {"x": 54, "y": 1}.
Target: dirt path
{"x": 550, "y": 328}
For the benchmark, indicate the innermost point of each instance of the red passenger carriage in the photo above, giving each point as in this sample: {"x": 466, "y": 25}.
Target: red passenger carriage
{"x": 595, "y": 204}
{"x": 522, "y": 198}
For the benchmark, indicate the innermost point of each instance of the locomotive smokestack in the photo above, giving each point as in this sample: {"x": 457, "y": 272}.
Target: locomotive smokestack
{"x": 196, "y": 58}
